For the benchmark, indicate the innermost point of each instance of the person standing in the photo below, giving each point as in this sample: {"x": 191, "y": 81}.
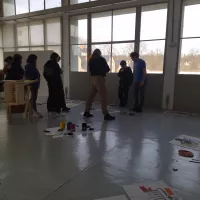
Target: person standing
{"x": 98, "y": 68}
{"x": 32, "y": 73}
{"x": 52, "y": 74}
{"x": 139, "y": 81}
{"x": 126, "y": 78}
{"x": 7, "y": 65}
{"x": 15, "y": 72}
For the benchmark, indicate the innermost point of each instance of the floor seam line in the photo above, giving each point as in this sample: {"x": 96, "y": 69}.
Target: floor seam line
{"x": 78, "y": 174}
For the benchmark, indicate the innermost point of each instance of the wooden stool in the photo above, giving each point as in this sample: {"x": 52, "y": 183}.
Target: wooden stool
{"x": 17, "y": 95}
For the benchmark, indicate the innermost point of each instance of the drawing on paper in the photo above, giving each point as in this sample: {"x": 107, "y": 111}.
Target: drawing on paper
{"x": 156, "y": 190}
{"x": 159, "y": 193}
{"x": 187, "y": 142}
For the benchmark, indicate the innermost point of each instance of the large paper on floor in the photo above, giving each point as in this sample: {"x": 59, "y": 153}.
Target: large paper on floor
{"x": 157, "y": 190}
{"x": 187, "y": 142}
{"x": 121, "y": 197}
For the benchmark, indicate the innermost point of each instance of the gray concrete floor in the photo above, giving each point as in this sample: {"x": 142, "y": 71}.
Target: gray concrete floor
{"x": 128, "y": 150}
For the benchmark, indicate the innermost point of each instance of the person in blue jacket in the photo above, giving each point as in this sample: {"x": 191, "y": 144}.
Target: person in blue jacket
{"x": 139, "y": 81}
{"x": 32, "y": 73}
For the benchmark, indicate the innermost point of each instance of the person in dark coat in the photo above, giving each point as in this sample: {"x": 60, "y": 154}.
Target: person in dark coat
{"x": 52, "y": 74}
{"x": 126, "y": 78}
{"x": 7, "y": 65}
{"x": 15, "y": 72}
{"x": 32, "y": 73}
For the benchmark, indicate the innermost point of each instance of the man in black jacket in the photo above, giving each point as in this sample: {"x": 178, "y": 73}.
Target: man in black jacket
{"x": 126, "y": 78}
{"x": 52, "y": 74}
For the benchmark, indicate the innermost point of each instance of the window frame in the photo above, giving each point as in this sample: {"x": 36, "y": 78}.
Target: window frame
{"x": 136, "y": 41}
{"x": 29, "y": 8}
{"x": 182, "y": 38}
{"x": 45, "y": 46}
{"x": 71, "y": 44}
{"x": 164, "y": 5}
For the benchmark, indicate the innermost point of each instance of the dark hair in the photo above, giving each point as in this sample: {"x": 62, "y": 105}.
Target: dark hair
{"x": 96, "y": 53}
{"x": 17, "y": 59}
{"x": 54, "y": 56}
{"x": 32, "y": 59}
{"x": 123, "y": 62}
{"x": 8, "y": 59}
{"x": 134, "y": 54}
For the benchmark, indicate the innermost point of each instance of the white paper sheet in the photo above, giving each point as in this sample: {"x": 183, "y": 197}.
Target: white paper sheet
{"x": 194, "y": 142}
{"x": 52, "y": 131}
{"x": 121, "y": 197}
{"x": 157, "y": 190}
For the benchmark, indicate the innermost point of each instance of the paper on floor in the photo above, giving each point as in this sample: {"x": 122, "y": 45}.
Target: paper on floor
{"x": 121, "y": 197}
{"x": 186, "y": 141}
{"x": 156, "y": 190}
{"x": 52, "y": 131}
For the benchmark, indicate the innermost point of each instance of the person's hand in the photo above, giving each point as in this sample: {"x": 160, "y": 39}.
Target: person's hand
{"x": 142, "y": 83}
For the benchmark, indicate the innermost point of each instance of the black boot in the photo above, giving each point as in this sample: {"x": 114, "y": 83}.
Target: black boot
{"x": 108, "y": 117}
{"x": 87, "y": 114}
{"x": 66, "y": 109}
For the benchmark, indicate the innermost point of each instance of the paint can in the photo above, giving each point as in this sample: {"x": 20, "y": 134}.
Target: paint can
{"x": 62, "y": 125}
{"x": 84, "y": 127}
{"x": 72, "y": 127}
{"x": 68, "y": 125}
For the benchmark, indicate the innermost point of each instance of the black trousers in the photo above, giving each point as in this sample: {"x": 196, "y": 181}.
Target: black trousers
{"x": 56, "y": 99}
{"x": 139, "y": 94}
{"x": 123, "y": 91}
{"x": 33, "y": 100}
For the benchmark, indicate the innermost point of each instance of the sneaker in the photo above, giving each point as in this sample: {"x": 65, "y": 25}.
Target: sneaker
{"x": 108, "y": 117}
{"x": 37, "y": 115}
{"x": 87, "y": 114}
{"x": 66, "y": 109}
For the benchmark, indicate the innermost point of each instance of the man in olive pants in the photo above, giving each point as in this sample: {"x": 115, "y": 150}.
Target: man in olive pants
{"x": 98, "y": 68}
{"x": 98, "y": 85}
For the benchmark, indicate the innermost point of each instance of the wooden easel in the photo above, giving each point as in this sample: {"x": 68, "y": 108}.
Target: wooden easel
{"x": 17, "y": 93}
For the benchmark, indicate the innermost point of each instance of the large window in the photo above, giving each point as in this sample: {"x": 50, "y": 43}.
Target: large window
{"x": 111, "y": 32}
{"x": 115, "y": 42}
{"x": 78, "y": 40}
{"x": 12, "y": 7}
{"x": 152, "y": 36}
{"x": 190, "y": 41}
{"x": 30, "y": 36}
